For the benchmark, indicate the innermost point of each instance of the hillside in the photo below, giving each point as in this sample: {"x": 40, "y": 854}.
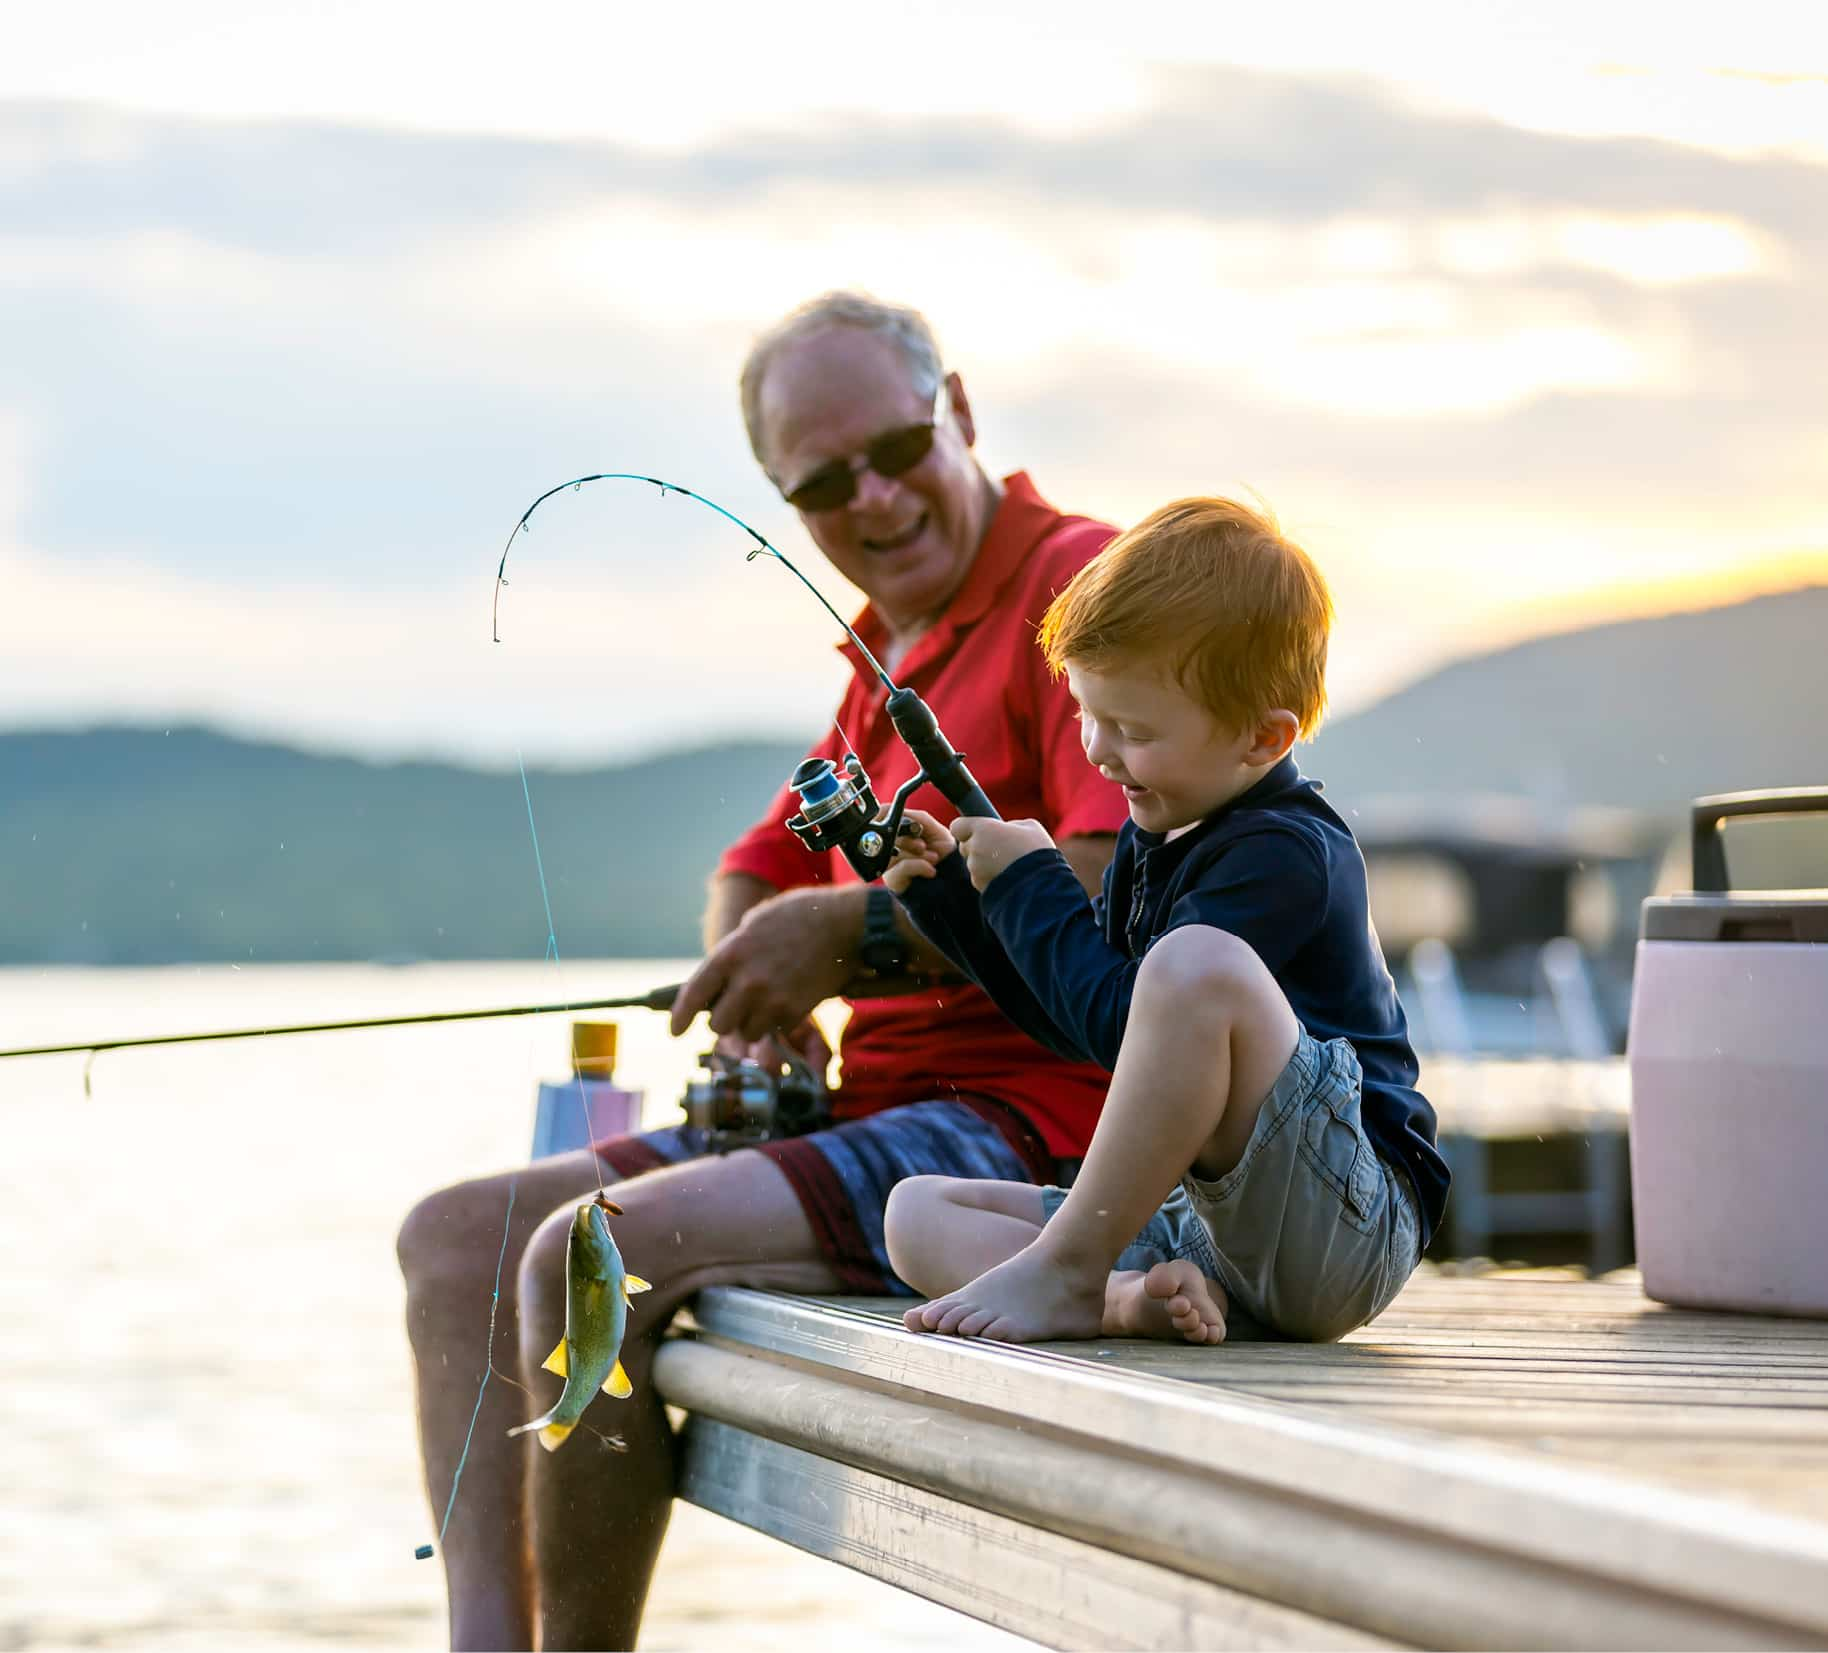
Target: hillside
{"x": 1644, "y": 714}
{"x": 127, "y": 846}
{"x": 138, "y": 846}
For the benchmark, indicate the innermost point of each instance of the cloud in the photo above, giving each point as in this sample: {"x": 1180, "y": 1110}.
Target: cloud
{"x": 587, "y": 666}
{"x": 290, "y": 379}
{"x": 1219, "y": 142}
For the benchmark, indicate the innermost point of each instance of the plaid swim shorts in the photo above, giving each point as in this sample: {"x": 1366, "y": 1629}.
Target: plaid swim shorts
{"x": 843, "y": 1174}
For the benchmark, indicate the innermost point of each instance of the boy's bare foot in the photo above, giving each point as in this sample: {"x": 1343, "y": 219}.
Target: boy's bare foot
{"x": 1173, "y": 1301}
{"x": 1028, "y": 1299}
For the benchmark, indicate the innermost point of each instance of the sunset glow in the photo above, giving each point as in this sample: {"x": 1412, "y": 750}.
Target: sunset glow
{"x": 1514, "y": 306}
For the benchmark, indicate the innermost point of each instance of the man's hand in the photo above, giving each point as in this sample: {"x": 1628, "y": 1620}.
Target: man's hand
{"x": 919, "y": 848}
{"x": 990, "y": 846}
{"x": 805, "y": 1041}
{"x": 788, "y": 954}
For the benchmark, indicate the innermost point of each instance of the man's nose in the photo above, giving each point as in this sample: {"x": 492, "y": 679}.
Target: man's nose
{"x": 874, "y": 492}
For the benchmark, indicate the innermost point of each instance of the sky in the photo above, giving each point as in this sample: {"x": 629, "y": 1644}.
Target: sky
{"x": 1511, "y": 312}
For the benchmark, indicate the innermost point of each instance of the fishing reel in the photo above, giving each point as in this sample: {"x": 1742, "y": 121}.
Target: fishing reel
{"x": 740, "y": 1102}
{"x": 838, "y": 809}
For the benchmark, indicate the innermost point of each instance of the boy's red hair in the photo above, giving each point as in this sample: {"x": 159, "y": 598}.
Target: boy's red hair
{"x": 1210, "y": 592}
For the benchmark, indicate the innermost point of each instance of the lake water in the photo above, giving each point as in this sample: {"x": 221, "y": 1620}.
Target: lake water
{"x": 208, "y": 1436}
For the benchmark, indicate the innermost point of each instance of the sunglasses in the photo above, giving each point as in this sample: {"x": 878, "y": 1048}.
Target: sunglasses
{"x": 891, "y": 454}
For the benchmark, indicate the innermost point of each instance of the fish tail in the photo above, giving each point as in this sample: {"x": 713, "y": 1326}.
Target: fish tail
{"x": 552, "y": 1433}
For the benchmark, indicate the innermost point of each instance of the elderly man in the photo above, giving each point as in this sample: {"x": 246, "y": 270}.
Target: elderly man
{"x": 853, "y": 418}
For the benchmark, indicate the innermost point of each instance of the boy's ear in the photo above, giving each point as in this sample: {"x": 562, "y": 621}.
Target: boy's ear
{"x": 1274, "y": 736}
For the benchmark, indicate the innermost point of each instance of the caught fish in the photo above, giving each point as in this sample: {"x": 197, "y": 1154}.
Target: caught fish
{"x": 597, "y": 1293}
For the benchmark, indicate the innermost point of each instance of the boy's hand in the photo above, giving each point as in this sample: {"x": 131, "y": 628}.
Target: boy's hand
{"x": 920, "y": 847}
{"x": 990, "y": 846}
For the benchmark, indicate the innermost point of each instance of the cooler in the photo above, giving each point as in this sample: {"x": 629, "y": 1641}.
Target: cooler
{"x": 1728, "y": 1051}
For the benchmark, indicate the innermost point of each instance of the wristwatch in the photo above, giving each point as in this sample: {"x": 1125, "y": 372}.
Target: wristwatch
{"x": 882, "y": 951}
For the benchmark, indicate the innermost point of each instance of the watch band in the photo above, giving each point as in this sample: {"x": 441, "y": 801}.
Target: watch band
{"x": 883, "y": 951}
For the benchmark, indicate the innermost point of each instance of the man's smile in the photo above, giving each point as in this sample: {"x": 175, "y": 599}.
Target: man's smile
{"x": 897, "y": 540}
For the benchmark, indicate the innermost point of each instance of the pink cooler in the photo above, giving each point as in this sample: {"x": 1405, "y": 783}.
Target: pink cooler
{"x": 1728, "y": 1052}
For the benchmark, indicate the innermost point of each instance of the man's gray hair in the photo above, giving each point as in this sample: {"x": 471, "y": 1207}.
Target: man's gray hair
{"x": 906, "y": 329}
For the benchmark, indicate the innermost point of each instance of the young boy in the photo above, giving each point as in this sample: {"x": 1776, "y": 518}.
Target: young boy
{"x": 1262, "y": 1143}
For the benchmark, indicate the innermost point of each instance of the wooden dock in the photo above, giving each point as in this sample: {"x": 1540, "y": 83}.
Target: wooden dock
{"x": 1500, "y": 1460}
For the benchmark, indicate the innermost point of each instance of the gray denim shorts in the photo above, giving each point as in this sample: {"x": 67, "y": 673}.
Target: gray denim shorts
{"x": 1311, "y": 1233}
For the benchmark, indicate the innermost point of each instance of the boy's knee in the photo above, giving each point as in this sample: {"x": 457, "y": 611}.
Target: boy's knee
{"x": 912, "y": 1202}
{"x": 906, "y": 1200}
{"x": 1197, "y": 967}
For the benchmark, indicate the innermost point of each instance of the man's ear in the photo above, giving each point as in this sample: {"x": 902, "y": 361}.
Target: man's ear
{"x": 1275, "y": 735}
{"x": 961, "y": 409}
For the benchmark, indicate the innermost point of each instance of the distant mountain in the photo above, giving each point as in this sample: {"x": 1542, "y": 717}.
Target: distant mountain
{"x": 1643, "y": 714}
{"x": 133, "y": 846}
{"x": 130, "y": 846}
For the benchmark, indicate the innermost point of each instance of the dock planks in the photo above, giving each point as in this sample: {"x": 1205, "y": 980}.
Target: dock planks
{"x": 1732, "y": 1406}
{"x": 1519, "y": 1459}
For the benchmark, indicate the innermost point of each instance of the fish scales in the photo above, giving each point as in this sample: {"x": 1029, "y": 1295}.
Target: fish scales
{"x": 597, "y": 1293}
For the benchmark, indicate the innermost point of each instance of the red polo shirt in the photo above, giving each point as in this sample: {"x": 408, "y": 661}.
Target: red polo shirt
{"x": 982, "y": 674}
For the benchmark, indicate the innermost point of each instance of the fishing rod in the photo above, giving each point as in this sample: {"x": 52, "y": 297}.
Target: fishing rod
{"x": 838, "y": 808}
{"x": 661, "y": 998}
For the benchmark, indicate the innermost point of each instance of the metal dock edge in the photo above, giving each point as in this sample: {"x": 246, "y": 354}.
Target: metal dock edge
{"x": 1081, "y": 1504}
{"x": 1055, "y": 1590}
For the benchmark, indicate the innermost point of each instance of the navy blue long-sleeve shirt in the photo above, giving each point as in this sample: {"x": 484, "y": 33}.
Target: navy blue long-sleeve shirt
{"x": 1276, "y": 867}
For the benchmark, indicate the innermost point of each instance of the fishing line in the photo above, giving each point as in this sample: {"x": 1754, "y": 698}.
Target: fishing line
{"x": 552, "y": 952}
{"x": 761, "y": 546}
{"x": 552, "y": 944}
{"x": 424, "y": 1551}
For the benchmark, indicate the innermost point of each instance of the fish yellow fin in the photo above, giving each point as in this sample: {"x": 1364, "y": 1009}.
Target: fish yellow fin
{"x": 556, "y": 1361}
{"x": 633, "y": 1283}
{"x": 617, "y": 1383}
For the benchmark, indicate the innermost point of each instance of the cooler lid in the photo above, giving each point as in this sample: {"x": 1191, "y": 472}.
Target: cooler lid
{"x": 1761, "y": 915}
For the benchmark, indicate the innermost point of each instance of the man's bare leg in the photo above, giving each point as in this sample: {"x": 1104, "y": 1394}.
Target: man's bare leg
{"x": 943, "y": 1232}
{"x": 596, "y": 1518}
{"x": 1209, "y": 1033}
{"x": 448, "y": 1248}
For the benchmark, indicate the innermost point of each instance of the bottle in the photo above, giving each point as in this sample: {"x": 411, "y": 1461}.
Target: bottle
{"x": 575, "y": 1112}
